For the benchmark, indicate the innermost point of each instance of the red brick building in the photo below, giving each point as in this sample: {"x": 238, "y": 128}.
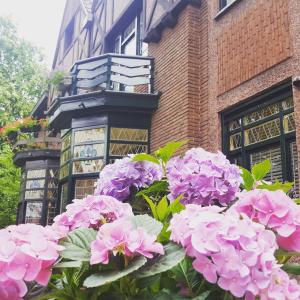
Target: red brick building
{"x": 223, "y": 74}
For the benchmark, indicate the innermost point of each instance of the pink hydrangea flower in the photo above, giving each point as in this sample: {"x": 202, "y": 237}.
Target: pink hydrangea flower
{"x": 91, "y": 212}
{"x": 203, "y": 178}
{"x": 275, "y": 210}
{"x": 281, "y": 287}
{"x": 228, "y": 248}
{"x": 12, "y": 289}
{"x": 27, "y": 253}
{"x": 120, "y": 237}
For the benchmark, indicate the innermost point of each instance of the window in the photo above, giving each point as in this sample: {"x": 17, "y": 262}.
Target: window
{"x": 88, "y": 150}
{"x": 69, "y": 35}
{"x": 127, "y": 140}
{"x": 39, "y": 193}
{"x": 224, "y": 3}
{"x": 264, "y": 131}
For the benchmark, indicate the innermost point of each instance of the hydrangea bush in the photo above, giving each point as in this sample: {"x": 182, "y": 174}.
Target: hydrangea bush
{"x": 211, "y": 230}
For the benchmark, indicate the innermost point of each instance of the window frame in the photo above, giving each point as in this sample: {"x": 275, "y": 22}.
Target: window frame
{"x": 284, "y": 140}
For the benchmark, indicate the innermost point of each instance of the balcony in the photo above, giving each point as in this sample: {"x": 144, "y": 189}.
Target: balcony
{"x": 109, "y": 82}
{"x": 35, "y": 144}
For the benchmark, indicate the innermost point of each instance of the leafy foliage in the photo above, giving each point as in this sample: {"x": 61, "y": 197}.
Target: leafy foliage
{"x": 22, "y": 73}
{"x": 255, "y": 178}
{"x": 9, "y": 186}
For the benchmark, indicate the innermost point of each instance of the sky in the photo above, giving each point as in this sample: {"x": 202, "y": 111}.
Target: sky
{"x": 38, "y": 21}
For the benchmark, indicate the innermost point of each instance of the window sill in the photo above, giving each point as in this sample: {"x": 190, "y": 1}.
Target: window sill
{"x": 225, "y": 9}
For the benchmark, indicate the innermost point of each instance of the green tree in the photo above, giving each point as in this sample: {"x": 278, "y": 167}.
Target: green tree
{"x": 22, "y": 81}
{"x": 22, "y": 73}
{"x": 9, "y": 187}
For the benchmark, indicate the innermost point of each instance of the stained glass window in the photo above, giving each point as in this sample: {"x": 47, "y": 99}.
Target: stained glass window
{"x": 51, "y": 212}
{"x": 261, "y": 114}
{"x": 235, "y": 141}
{"x": 33, "y": 212}
{"x": 264, "y": 132}
{"x": 66, "y": 141}
{"x": 289, "y": 123}
{"x": 64, "y": 171}
{"x": 129, "y": 134}
{"x": 89, "y": 135}
{"x": 35, "y": 184}
{"x": 87, "y": 166}
{"x": 34, "y": 194}
{"x": 36, "y": 173}
{"x": 84, "y": 187}
{"x": 65, "y": 156}
{"x": 87, "y": 151}
{"x": 125, "y": 149}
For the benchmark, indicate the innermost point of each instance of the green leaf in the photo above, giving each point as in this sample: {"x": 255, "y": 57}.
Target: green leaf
{"x": 260, "y": 170}
{"x": 152, "y": 206}
{"x": 203, "y": 296}
{"x": 166, "y": 152}
{"x": 248, "y": 179}
{"x": 185, "y": 272}
{"x": 156, "y": 187}
{"x": 162, "y": 209}
{"x": 176, "y": 206}
{"x": 174, "y": 254}
{"x": 292, "y": 268}
{"x": 286, "y": 187}
{"x": 78, "y": 244}
{"x": 107, "y": 277}
{"x": 151, "y": 225}
{"x": 147, "y": 157}
{"x": 68, "y": 264}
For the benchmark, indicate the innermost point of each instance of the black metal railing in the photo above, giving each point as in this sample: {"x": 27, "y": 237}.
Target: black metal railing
{"x": 115, "y": 72}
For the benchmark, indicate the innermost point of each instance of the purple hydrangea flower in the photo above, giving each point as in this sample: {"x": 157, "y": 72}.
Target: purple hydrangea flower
{"x": 203, "y": 178}
{"x": 118, "y": 179}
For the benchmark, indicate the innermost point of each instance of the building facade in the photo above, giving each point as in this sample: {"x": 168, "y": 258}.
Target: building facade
{"x": 222, "y": 74}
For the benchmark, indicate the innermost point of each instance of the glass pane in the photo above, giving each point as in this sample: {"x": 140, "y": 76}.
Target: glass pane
{"x": 125, "y": 149}
{"x": 64, "y": 171}
{"x": 234, "y": 124}
{"x": 66, "y": 142}
{"x": 129, "y": 134}
{"x": 35, "y": 184}
{"x": 53, "y": 172}
{"x": 129, "y": 48}
{"x": 65, "y": 156}
{"x": 274, "y": 155}
{"x": 52, "y": 183}
{"x": 51, "y": 212}
{"x": 235, "y": 141}
{"x": 261, "y": 114}
{"x": 34, "y": 194}
{"x": 63, "y": 197}
{"x": 89, "y": 151}
{"x": 129, "y": 29}
{"x": 289, "y": 123}
{"x": 262, "y": 132}
{"x": 33, "y": 212}
{"x": 84, "y": 187}
{"x": 52, "y": 194}
{"x": 36, "y": 173}
{"x": 288, "y": 103}
{"x": 90, "y": 135}
{"x": 87, "y": 166}
{"x": 294, "y": 168}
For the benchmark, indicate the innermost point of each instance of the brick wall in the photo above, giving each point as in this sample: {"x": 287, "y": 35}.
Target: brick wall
{"x": 255, "y": 40}
{"x": 181, "y": 74}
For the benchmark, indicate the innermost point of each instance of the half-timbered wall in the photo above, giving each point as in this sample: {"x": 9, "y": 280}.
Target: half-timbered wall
{"x": 90, "y": 38}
